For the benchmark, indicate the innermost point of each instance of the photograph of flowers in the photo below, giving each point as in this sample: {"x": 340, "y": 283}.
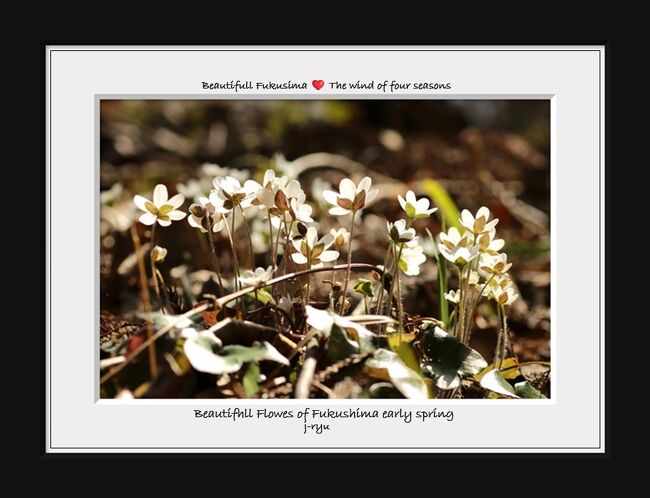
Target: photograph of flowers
{"x": 342, "y": 249}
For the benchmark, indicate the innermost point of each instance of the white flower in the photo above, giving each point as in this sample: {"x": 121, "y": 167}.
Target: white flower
{"x": 312, "y": 251}
{"x": 411, "y": 258}
{"x": 230, "y": 189}
{"x": 398, "y": 233}
{"x": 453, "y": 296}
{"x": 287, "y": 168}
{"x": 208, "y": 211}
{"x": 162, "y": 209}
{"x": 159, "y": 254}
{"x": 503, "y": 295}
{"x": 265, "y": 196}
{"x": 479, "y": 224}
{"x": 214, "y": 170}
{"x": 414, "y": 208}
{"x": 504, "y": 281}
{"x": 495, "y": 265}
{"x": 473, "y": 278}
{"x": 350, "y": 197}
{"x": 488, "y": 244}
{"x": 457, "y": 248}
{"x": 300, "y": 211}
{"x": 260, "y": 275}
{"x": 194, "y": 189}
{"x": 112, "y": 195}
{"x": 318, "y": 186}
{"x": 341, "y": 237}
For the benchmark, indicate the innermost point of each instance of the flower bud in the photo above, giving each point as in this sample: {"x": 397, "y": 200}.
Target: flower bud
{"x": 158, "y": 254}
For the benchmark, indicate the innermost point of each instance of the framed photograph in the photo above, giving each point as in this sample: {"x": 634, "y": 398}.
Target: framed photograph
{"x": 346, "y": 249}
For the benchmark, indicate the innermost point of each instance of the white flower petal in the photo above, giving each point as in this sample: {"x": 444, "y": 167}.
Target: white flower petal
{"x": 311, "y": 237}
{"x": 299, "y": 259}
{"x": 164, "y": 223}
{"x": 422, "y": 205}
{"x": 410, "y": 197}
{"x": 147, "y": 218}
{"x": 338, "y": 211}
{"x": 269, "y": 176}
{"x": 251, "y": 186}
{"x": 176, "y": 215}
{"x": 484, "y": 212}
{"x": 402, "y": 202}
{"x": 466, "y": 219}
{"x": 328, "y": 256}
{"x": 491, "y": 224}
{"x": 196, "y": 223}
{"x": 370, "y": 196}
{"x": 347, "y": 188}
{"x": 364, "y": 184}
{"x": 497, "y": 244}
{"x": 160, "y": 195}
{"x": 176, "y": 201}
{"x": 140, "y": 202}
{"x": 330, "y": 196}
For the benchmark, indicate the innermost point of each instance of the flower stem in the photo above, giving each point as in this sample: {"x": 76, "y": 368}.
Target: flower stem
{"x": 400, "y": 312}
{"x": 472, "y": 309}
{"x": 461, "y": 306}
{"x": 394, "y": 281}
{"x": 288, "y": 276}
{"x": 215, "y": 259}
{"x": 503, "y": 334}
{"x": 146, "y": 302}
{"x": 234, "y": 255}
{"x": 250, "y": 238}
{"x": 347, "y": 276}
{"x": 273, "y": 248}
{"x": 277, "y": 239}
{"x": 153, "y": 268}
{"x": 382, "y": 285}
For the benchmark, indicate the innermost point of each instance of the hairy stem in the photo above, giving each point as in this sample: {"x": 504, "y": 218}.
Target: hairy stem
{"x": 347, "y": 276}
{"x": 250, "y": 238}
{"x": 146, "y": 301}
{"x": 215, "y": 259}
{"x": 153, "y": 267}
{"x": 303, "y": 384}
{"x": 461, "y": 306}
{"x": 273, "y": 248}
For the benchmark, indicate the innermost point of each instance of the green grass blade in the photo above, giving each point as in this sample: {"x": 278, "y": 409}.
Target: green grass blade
{"x": 443, "y": 200}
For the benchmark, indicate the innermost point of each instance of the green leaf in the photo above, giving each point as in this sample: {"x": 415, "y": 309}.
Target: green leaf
{"x": 494, "y": 381}
{"x": 364, "y": 287}
{"x": 509, "y": 369}
{"x": 406, "y": 380}
{"x": 205, "y": 354}
{"x": 405, "y": 352}
{"x": 251, "y": 378}
{"x": 339, "y": 345}
{"x": 441, "y": 263}
{"x": 263, "y": 296}
{"x": 443, "y": 200}
{"x": 449, "y": 360}
{"x": 527, "y": 391}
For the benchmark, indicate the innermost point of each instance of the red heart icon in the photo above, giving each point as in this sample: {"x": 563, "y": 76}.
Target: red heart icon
{"x": 318, "y": 84}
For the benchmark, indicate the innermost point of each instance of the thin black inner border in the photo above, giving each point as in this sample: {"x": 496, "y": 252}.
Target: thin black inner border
{"x": 600, "y": 407}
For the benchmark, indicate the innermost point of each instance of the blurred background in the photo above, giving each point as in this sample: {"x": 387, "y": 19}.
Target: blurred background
{"x": 492, "y": 153}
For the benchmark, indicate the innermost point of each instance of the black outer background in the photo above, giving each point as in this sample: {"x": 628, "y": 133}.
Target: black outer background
{"x": 403, "y": 25}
